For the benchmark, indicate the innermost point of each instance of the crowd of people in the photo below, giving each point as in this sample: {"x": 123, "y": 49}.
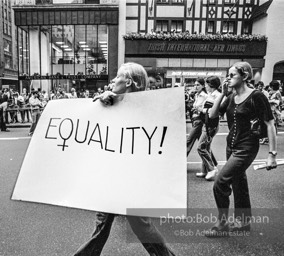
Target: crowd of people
{"x": 26, "y": 107}
{"x": 209, "y": 100}
{"x": 203, "y": 128}
{"x": 234, "y": 99}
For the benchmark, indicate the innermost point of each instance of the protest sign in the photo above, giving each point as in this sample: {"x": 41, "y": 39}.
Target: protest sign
{"x": 87, "y": 155}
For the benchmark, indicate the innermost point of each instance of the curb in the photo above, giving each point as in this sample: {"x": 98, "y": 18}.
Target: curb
{"x": 19, "y": 125}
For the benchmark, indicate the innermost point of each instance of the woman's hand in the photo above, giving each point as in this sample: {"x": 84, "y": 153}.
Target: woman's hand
{"x": 107, "y": 97}
{"x": 225, "y": 90}
{"x": 271, "y": 162}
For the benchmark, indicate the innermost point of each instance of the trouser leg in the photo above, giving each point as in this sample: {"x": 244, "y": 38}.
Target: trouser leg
{"x": 95, "y": 245}
{"x": 149, "y": 236}
{"x": 204, "y": 149}
{"x": 194, "y": 134}
{"x": 233, "y": 174}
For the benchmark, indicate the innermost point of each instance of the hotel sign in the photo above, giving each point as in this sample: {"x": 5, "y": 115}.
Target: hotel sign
{"x": 193, "y": 48}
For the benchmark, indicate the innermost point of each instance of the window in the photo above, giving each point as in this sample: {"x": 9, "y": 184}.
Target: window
{"x": 177, "y": 1}
{"x": 177, "y": 25}
{"x": 250, "y": 2}
{"x": 228, "y": 27}
{"x": 170, "y": 1}
{"x": 210, "y": 27}
{"x": 212, "y": 1}
{"x": 5, "y": 28}
{"x": 162, "y": 25}
{"x": 246, "y": 28}
{"x": 230, "y": 1}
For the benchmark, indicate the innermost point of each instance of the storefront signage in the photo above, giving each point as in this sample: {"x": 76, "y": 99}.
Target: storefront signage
{"x": 188, "y": 48}
{"x": 111, "y": 2}
{"x": 198, "y": 73}
{"x": 39, "y": 77}
{"x": 175, "y": 47}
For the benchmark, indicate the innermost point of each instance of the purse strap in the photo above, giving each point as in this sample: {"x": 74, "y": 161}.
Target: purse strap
{"x": 253, "y": 105}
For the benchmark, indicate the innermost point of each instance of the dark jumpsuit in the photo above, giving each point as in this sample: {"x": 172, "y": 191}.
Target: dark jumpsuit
{"x": 242, "y": 148}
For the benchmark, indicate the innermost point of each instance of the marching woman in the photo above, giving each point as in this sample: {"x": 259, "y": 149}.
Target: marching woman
{"x": 242, "y": 147}
{"x": 131, "y": 77}
{"x": 210, "y": 128}
{"x": 197, "y": 123}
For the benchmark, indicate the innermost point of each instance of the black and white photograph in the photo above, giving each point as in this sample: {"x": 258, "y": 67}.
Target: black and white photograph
{"x": 141, "y": 127}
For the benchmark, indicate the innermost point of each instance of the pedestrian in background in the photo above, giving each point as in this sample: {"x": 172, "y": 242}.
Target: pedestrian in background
{"x": 36, "y": 108}
{"x": 131, "y": 77}
{"x": 197, "y": 123}
{"x": 260, "y": 87}
{"x": 242, "y": 147}
{"x": 3, "y": 107}
{"x": 210, "y": 128}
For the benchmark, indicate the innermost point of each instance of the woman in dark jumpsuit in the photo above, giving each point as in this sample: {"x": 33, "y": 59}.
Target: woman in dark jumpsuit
{"x": 242, "y": 148}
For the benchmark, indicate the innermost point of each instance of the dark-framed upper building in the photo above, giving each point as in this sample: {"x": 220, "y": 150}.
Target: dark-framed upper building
{"x": 174, "y": 38}
{"x": 70, "y": 44}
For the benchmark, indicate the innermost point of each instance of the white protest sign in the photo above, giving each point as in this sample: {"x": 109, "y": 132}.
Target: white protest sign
{"x": 86, "y": 155}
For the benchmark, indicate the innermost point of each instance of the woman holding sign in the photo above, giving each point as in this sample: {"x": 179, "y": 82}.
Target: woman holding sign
{"x": 131, "y": 77}
{"x": 242, "y": 147}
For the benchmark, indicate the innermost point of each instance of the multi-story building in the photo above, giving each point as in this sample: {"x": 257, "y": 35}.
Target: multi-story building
{"x": 268, "y": 20}
{"x": 8, "y": 50}
{"x": 183, "y": 39}
{"x": 66, "y": 43}
{"x": 81, "y": 43}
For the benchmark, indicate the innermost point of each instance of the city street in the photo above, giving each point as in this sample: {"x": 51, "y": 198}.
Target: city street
{"x": 32, "y": 229}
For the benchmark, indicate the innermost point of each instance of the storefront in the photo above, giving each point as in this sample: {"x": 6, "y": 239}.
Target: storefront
{"x": 67, "y": 46}
{"x": 180, "y": 62}
{"x": 9, "y": 83}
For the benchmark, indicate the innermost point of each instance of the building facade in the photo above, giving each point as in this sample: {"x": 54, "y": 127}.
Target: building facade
{"x": 181, "y": 40}
{"x": 8, "y": 47}
{"x": 66, "y": 43}
{"x": 269, "y": 21}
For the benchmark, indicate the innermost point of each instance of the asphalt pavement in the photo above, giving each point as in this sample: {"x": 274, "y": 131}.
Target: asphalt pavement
{"x": 33, "y": 229}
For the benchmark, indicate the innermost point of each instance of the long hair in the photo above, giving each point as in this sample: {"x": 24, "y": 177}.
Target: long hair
{"x": 137, "y": 74}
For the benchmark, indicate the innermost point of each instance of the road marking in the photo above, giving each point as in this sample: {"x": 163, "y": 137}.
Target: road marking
{"x": 20, "y": 138}
{"x": 256, "y": 161}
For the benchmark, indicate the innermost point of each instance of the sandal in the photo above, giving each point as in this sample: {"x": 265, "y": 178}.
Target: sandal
{"x": 217, "y": 231}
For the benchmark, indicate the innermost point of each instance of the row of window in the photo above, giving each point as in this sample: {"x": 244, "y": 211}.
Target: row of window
{"x": 178, "y": 26}
{"x": 209, "y": 1}
{"x": 7, "y": 29}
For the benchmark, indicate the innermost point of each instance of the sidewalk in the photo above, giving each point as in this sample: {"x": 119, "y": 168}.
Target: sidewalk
{"x": 19, "y": 125}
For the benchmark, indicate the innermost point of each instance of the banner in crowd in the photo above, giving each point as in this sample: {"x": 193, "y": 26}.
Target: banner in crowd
{"x": 87, "y": 155}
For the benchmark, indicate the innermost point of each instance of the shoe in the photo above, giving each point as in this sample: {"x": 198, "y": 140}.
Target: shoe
{"x": 211, "y": 175}
{"x": 263, "y": 141}
{"x": 238, "y": 226}
{"x": 214, "y": 232}
{"x": 200, "y": 174}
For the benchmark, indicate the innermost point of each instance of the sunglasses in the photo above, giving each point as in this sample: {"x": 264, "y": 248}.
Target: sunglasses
{"x": 231, "y": 75}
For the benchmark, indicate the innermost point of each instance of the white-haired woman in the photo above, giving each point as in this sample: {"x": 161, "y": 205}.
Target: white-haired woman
{"x": 131, "y": 77}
